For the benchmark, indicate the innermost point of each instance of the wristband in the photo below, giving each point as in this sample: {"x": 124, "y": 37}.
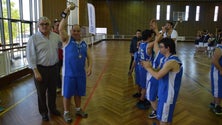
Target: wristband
{"x": 63, "y": 15}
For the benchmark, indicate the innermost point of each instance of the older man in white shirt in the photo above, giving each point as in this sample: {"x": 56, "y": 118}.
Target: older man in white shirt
{"x": 42, "y": 57}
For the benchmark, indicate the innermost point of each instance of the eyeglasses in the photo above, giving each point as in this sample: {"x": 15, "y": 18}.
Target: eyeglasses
{"x": 161, "y": 46}
{"x": 44, "y": 24}
{"x": 56, "y": 20}
{"x": 76, "y": 30}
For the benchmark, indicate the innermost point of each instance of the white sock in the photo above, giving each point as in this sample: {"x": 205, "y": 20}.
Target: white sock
{"x": 66, "y": 112}
{"x": 78, "y": 109}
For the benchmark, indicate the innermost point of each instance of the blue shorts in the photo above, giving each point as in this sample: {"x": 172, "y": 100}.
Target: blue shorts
{"x": 74, "y": 86}
{"x": 143, "y": 73}
{"x": 216, "y": 83}
{"x": 137, "y": 77}
{"x": 152, "y": 89}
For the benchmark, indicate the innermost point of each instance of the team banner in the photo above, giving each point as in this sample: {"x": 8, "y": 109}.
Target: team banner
{"x": 92, "y": 18}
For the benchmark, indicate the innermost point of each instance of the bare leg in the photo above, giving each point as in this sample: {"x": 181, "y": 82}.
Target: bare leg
{"x": 154, "y": 104}
{"x": 66, "y": 103}
{"x": 143, "y": 92}
{"x": 217, "y": 101}
{"x": 139, "y": 89}
{"x": 77, "y": 101}
{"x": 79, "y": 111}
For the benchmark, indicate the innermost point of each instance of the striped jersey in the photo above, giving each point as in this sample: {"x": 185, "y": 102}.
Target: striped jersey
{"x": 216, "y": 78}
{"x": 169, "y": 85}
{"x": 220, "y": 60}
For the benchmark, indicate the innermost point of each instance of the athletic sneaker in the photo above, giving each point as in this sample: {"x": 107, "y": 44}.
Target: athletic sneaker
{"x": 153, "y": 114}
{"x": 211, "y": 105}
{"x": 81, "y": 114}
{"x": 136, "y": 95}
{"x": 45, "y": 117}
{"x": 217, "y": 110}
{"x": 147, "y": 102}
{"x": 67, "y": 117}
{"x": 142, "y": 105}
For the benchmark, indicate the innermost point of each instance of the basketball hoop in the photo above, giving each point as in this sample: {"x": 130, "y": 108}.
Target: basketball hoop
{"x": 178, "y": 17}
{"x": 178, "y": 20}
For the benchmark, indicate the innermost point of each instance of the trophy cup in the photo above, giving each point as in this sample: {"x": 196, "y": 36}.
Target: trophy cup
{"x": 71, "y": 5}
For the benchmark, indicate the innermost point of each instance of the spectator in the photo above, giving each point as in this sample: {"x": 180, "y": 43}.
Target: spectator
{"x": 219, "y": 36}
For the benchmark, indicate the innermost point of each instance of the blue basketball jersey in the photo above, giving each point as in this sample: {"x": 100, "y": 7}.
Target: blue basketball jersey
{"x": 220, "y": 60}
{"x": 74, "y": 58}
{"x": 137, "y": 60}
{"x": 143, "y": 51}
{"x": 143, "y": 57}
{"x": 155, "y": 63}
{"x": 169, "y": 85}
{"x": 137, "y": 67}
{"x": 152, "y": 83}
{"x": 216, "y": 78}
{"x": 157, "y": 60}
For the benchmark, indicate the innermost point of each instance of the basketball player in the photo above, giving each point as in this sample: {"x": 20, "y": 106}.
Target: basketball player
{"x": 145, "y": 51}
{"x": 216, "y": 80}
{"x": 76, "y": 53}
{"x": 152, "y": 82}
{"x": 169, "y": 76}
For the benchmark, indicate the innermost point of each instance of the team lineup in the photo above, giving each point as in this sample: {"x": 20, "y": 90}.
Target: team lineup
{"x": 158, "y": 70}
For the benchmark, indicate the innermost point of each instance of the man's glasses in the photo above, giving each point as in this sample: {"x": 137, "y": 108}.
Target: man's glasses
{"x": 56, "y": 20}
{"x": 161, "y": 46}
{"x": 76, "y": 30}
{"x": 44, "y": 24}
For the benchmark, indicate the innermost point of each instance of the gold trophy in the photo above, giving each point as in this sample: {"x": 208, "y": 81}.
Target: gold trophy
{"x": 71, "y": 5}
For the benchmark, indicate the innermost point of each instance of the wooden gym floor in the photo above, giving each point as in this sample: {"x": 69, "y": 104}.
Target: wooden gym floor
{"x": 109, "y": 100}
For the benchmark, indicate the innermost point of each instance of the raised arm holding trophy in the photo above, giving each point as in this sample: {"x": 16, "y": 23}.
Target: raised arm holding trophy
{"x": 76, "y": 53}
